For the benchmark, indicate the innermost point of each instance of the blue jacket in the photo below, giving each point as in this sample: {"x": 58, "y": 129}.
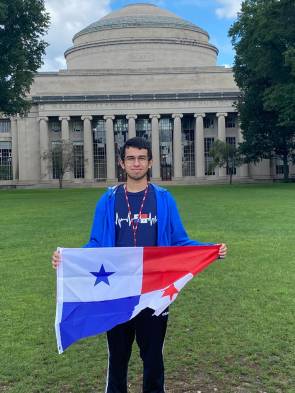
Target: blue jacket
{"x": 170, "y": 229}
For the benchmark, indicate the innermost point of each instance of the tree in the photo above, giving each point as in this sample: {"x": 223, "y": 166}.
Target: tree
{"x": 62, "y": 158}
{"x": 264, "y": 69}
{"x": 22, "y": 24}
{"x": 225, "y": 155}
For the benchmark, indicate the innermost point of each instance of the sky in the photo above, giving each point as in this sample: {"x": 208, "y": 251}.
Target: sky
{"x": 69, "y": 17}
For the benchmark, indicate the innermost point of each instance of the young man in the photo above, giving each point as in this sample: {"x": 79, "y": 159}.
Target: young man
{"x": 137, "y": 213}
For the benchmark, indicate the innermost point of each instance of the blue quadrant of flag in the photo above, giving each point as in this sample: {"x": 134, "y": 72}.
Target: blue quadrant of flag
{"x": 84, "y": 319}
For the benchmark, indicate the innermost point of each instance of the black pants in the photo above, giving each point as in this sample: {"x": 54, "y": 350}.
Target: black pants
{"x": 150, "y": 332}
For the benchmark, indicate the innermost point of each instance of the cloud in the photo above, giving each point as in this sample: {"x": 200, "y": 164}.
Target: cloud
{"x": 67, "y": 18}
{"x": 228, "y": 9}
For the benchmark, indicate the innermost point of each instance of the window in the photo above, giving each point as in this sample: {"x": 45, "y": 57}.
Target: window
{"x": 77, "y": 126}
{"x": 230, "y": 120}
{"x": 5, "y": 125}
{"x": 121, "y": 135}
{"x": 209, "y": 121}
{"x": 54, "y": 126}
{"x": 188, "y": 146}
{"x": 279, "y": 169}
{"x": 208, "y": 142}
{"x": 78, "y": 151}
{"x": 5, "y": 161}
{"x": 231, "y": 140}
{"x": 279, "y": 166}
{"x": 166, "y": 147}
{"x": 121, "y": 131}
{"x": 99, "y": 149}
{"x": 144, "y": 128}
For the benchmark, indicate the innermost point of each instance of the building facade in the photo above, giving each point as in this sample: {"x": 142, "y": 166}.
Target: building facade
{"x": 139, "y": 71}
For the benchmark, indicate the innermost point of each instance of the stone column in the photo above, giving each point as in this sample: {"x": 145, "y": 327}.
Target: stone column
{"x": 65, "y": 130}
{"x": 199, "y": 146}
{"x": 131, "y": 126}
{"x": 156, "y": 174}
{"x": 88, "y": 148}
{"x": 110, "y": 148}
{"x": 243, "y": 169}
{"x": 221, "y": 137}
{"x": 44, "y": 148}
{"x": 65, "y": 136}
{"x": 177, "y": 148}
{"x": 14, "y": 147}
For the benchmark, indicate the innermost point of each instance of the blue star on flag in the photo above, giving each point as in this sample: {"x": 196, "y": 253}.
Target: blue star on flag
{"x": 102, "y": 276}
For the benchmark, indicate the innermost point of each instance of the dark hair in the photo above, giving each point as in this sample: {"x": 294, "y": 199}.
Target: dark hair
{"x": 139, "y": 143}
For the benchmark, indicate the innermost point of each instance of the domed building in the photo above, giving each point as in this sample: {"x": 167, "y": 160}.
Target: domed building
{"x": 139, "y": 71}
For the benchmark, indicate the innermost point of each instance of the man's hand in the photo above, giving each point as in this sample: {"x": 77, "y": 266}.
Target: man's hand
{"x": 56, "y": 259}
{"x": 222, "y": 251}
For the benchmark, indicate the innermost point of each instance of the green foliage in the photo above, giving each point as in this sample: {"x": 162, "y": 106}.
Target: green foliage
{"x": 225, "y": 155}
{"x": 264, "y": 68}
{"x": 230, "y": 330}
{"x": 22, "y": 24}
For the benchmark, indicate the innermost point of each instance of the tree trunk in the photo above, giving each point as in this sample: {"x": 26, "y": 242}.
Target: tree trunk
{"x": 60, "y": 182}
{"x": 230, "y": 175}
{"x": 286, "y": 168}
{"x": 230, "y": 171}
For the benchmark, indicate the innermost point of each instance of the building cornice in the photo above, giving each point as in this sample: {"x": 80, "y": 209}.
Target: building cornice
{"x": 141, "y": 71}
{"x": 197, "y": 96}
{"x": 132, "y": 41}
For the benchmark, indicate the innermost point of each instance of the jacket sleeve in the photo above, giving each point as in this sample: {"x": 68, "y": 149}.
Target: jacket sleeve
{"x": 96, "y": 234}
{"x": 179, "y": 236}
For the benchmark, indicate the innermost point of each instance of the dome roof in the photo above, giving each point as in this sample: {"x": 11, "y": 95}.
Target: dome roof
{"x": 140, "y": 15}
{"x": 140, "y": 36}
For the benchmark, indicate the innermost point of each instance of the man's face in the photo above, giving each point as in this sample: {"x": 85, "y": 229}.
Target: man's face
{"x": 136, "y": 163}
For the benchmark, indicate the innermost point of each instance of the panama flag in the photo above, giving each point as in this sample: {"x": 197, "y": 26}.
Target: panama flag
{"x": 99, "y": 288}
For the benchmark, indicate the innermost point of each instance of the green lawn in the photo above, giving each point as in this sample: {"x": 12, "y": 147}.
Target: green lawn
{"x": 231, "y": 329}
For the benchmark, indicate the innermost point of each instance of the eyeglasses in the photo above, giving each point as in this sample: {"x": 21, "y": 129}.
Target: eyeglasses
{"x": 132, "y": 159}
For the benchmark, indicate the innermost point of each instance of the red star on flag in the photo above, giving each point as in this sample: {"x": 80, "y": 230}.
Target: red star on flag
{"x": 170, "y": 291}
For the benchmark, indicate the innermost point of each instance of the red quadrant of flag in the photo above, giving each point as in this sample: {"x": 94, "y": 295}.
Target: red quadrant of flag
{"x": 164, "y": 265}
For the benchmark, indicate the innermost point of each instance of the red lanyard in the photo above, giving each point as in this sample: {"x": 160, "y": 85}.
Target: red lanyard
{"x": 135, "y": 226}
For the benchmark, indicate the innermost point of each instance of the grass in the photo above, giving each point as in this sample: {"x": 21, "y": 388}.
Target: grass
{"x": 230, "y": 330}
